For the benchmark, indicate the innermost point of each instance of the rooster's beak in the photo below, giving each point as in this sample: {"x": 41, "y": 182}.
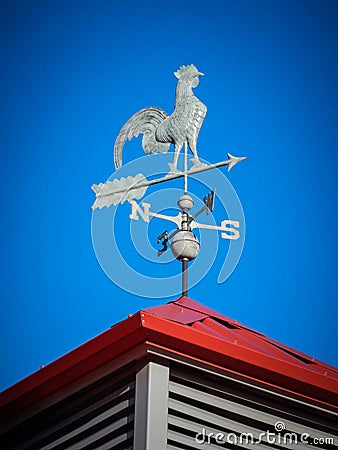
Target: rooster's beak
{"x": 200, "y": 74}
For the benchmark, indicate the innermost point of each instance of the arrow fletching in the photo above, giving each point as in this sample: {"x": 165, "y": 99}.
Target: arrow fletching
{"x": 119, "y": 191}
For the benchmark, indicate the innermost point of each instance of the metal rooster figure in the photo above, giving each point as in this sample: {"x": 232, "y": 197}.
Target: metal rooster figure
{"x": 160, "y": 130}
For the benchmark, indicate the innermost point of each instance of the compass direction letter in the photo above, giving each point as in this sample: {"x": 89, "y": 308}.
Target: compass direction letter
{"x": 228, "y": 225}
{"x": 135, "y": 210}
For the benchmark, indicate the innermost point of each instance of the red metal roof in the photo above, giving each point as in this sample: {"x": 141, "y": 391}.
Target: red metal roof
{"x": 187, "y": 329}
{"x": 205, "y": 320}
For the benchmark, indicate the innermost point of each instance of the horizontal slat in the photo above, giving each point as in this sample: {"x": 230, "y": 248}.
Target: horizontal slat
{"x": 104, "y": 432}
{"x": 127, "y": 391}
{"x": 197, "y": 429}
{"x": 171, "y": 447}
{"x": 297, "y": 411}
{"x": 125, "y": 439}
{"x": 245, "y": 411}
{"x": 210, "y": 418}
{"x": 109, "y": 413}
{"x": 181, "y": 439}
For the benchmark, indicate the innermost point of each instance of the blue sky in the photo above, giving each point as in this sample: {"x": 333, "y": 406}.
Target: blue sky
{"x": 74, "y": 71}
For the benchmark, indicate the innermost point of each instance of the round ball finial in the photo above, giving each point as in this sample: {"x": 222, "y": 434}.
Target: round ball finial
{"x": 185, "y": 203}
{"x": 185, "y": 245}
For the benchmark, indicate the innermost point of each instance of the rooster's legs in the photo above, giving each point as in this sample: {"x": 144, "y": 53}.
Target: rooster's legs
{"x": 173, "y": 165}
{"x": 195, "y": 160}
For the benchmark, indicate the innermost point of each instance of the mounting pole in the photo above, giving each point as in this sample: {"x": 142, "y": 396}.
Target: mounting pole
{"x": 185, "y": 167}
{"x": 184, "y": 244}
{"x": 185, "y": 227}
{"x": 184, "y": 277}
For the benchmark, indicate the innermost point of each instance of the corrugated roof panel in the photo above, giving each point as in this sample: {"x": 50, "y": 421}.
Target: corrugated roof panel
{"x": 201, "y": 318}
{"x": 177, "y": 313}
{"x": 248, "y": 340}
{"x": 192, "y": 304}
{"x": 243, "y": 339}
{"x": 202, "y": 327}
{"x": 267, "y": 347}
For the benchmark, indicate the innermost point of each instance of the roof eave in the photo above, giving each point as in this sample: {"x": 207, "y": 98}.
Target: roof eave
{"x": 74, "y": 365}
{"x": 243, "y": 361}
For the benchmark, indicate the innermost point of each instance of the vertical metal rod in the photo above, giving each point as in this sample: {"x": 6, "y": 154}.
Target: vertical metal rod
{"x": 184, "y": 278}
{"x": 185, "y": 167}
{"x": 184, "y": 227}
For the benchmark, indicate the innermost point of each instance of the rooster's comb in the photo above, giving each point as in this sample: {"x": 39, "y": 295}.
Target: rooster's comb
{"x": 186, "y": 71}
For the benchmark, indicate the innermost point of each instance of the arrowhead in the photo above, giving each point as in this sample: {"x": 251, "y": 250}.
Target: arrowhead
{"x": 233, "y": 160}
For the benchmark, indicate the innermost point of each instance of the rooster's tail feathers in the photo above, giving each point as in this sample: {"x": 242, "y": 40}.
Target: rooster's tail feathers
{"x": 143, "y": 122}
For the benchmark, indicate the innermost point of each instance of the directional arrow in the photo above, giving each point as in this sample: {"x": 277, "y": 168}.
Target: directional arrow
{"x": 120, "y": 190}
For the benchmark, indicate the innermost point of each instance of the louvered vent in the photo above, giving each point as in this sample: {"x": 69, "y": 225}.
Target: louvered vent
{"x": 203, "y": 408}
{"x": 100, "y": 417}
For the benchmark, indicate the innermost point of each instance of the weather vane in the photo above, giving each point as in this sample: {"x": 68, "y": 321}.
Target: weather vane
{"x": 159, "y": 131}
